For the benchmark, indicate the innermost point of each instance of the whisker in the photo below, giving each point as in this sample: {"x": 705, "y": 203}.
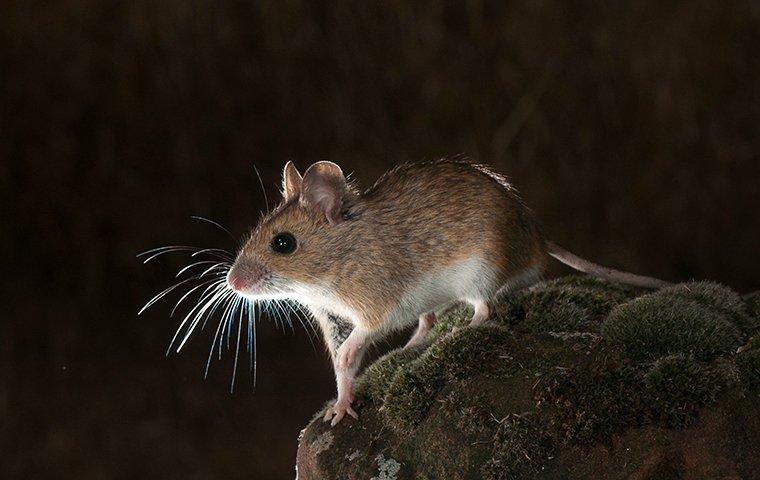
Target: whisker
{"x": 216, "y": 252}
{"x": 164, "y": 292}
{"x": 308, "y": 332}
{"x": 156, "y": 255}
{"x": 167, "y": 248}
{"x": 284, "y": 313}
{"x": 250, "y": 327}
{"x": 200, "y": 307}
{"x": 192, "y": 290}
{"x": 219, "y": 265}
{"x": 261, "y": 183}
{"x": 210, "y": 304}
{"x": 237, "y": 350}
{"x": 198, "y": 217}
{"x": 216, "y": 335}
{"x": 254, "y": 355}
{"x": 226, "y": 318}
{"x": 202, "y": 262}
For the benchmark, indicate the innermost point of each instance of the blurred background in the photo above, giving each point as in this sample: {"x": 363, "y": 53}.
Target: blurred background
{"x": 631, "y": 128}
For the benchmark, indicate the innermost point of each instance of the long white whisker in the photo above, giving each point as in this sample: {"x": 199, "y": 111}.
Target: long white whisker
{"x": 219, "y": 265}
{"x": 220, "y": 291}
{"x": 216, "y": 306}
{"x": 217, "y": 252}
{"x": 172, "y": 250}
{"x": 308, "y": 320}
{"x": 206, "y": 282}
{"x": 202, "y": 304}
{"x": 167, "y": 248}
{"x": 198, "y": 217}
{"x": 164, "y": 292}
{"x": 195, "y": 264}
{"x": 253, "y": 343}
{"x": 308, "y": 332}
{"x": 226, "y": 319}
{"x": 229, "y": 300}
{"x": 263, "y": 190}
{"x": 237, "y": 350}
{"x": 286, "y": 321}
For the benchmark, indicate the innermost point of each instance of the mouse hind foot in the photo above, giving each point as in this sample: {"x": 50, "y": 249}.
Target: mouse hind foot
{"x": 482, "y": 311}
{"x": 426, "y": 322}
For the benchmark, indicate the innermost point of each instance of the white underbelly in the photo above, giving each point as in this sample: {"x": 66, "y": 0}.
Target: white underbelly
{"x": 471, "y": 279}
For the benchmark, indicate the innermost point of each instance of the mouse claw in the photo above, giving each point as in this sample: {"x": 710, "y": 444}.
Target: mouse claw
{"x": 352, "y": 412}
{"x": 336, "y": 413}
{"x": 337, "y": 418}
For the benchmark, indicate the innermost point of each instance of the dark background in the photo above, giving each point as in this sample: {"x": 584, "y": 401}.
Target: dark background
{"x": 630, "y": 127}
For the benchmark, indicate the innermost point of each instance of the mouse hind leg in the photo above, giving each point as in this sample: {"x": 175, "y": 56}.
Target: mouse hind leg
{"x": 426, "y": 322}
{"x": 482, "y": 311}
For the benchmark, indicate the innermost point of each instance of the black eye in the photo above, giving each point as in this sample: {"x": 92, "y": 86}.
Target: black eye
{"x": 284, "y": 243}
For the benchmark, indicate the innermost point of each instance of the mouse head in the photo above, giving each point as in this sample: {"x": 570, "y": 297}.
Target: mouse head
{"x": 294, "y": 250}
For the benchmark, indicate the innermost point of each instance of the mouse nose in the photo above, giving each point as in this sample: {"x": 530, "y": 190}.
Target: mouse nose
{"x": 235, "y": 279}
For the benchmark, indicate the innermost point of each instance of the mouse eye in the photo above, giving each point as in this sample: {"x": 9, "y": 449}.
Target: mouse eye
{"x": 284, "y": 243}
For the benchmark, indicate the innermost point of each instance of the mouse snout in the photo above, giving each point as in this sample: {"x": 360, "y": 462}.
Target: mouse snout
{"x": 235, "y": 280}
{"x": 245, "y": 277}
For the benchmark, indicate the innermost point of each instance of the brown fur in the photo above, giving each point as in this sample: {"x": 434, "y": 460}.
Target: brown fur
{"x": 416, "y": 218}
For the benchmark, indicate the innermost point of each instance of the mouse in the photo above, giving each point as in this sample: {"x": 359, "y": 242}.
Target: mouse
{"x": 368, "y": 263}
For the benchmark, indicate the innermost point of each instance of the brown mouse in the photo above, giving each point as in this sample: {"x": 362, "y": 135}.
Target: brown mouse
{"x": 368, "y": 263}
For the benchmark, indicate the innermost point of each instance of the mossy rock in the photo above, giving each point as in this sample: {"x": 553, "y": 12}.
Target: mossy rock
{"x": 748, "y": 364}
{"x": 694, "y": 319}
{"x": 753, "y": 308}
{"x": 460, "y": 355}
{"x": 718, "y": 297}
{"x": 520, "y": 446}
{"x": 590, "y": 404}
{"x": 568, "y": 369}
{"x": 677, "y": 386}
{"x": 373, "y": 384}
{"x": 570, "y": 304}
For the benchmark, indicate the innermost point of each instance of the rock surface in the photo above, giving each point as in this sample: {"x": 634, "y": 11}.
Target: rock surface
{"x": 574, "y": 378}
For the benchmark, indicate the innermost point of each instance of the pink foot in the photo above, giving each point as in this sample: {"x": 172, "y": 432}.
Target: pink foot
{"x": 336, "y": 413}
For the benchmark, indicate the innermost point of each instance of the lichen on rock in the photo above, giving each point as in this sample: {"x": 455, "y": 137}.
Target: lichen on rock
{"x": 564, "y": 367}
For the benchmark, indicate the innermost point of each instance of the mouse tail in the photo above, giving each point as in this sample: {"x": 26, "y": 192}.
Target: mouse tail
{"x": 582, "y": 265}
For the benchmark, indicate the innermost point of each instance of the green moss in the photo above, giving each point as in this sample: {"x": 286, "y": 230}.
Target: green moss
{"x": 411, "y": 392}
{"x": 748, "y": 365}
{"x": 463, "y": 354}
{"x": 718, "y": 297}
{"x": 646, "y": 362}
{"x": 374, "y": 382}
{"x": 474, "y": 351}
{"x": 678, "y": 385}
{"x": 519, "y": 449}
{"x": 664, "y": 323}
{"x": 591, "y": 404}
{"x": 588, "y": 282}
{"x": 567, "y": 309}
{"x": 468, "y": 412}
{"x": 753, "y": 308}
{"x": 569, "y": 304}
{"x": 457, "y": 317}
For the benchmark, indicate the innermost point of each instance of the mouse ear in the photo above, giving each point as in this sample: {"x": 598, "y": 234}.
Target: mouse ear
{"x": 291, "y": 181}
{"x": 324, "y": 188}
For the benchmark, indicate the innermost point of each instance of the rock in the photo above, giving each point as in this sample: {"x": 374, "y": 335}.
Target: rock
{"x": 574, "y": 378}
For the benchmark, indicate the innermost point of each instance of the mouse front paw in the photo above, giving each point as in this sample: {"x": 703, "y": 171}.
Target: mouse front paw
{"x": 336, "y": 413}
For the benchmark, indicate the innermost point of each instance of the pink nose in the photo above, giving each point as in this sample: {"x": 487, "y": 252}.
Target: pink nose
{"x": 235, "y": 280}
